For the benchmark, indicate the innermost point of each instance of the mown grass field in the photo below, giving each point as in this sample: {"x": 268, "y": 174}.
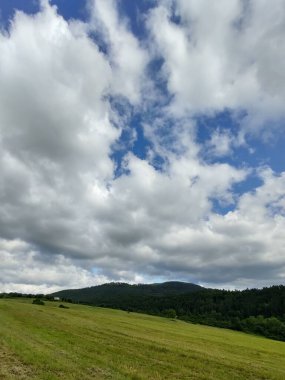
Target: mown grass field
{"x": 46, "y": 342}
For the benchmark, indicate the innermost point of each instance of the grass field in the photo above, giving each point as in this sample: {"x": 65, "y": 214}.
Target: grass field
{"x": 46, "y": 342}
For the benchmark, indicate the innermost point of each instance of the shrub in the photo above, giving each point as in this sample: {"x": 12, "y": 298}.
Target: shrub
{"x": 63, "y": 306}
{"x": 169, "y": 313}
{"x": 37, "y": 301}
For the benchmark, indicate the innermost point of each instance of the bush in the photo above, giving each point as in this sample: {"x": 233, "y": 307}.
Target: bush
{"x": 37, "y": 301}
{"x": 169, "y": 313}
{"x": 270, "y": 327}
{"x": 63, "y": 306}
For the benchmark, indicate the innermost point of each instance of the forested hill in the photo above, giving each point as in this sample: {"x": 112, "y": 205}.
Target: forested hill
{"x": 261, "y": 311}
{"x": 107, "y": 294}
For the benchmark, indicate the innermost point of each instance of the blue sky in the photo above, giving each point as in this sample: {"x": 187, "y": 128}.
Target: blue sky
{"x": 147, "y": 138}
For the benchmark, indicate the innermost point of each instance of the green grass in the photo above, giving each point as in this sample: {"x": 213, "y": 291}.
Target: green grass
{"x": 46, "y": 342}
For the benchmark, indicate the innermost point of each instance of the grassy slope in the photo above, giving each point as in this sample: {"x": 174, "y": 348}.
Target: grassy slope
{"x": 46, "y": 342}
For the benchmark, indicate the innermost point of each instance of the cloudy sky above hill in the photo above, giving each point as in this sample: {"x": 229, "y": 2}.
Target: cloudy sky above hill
{"x": 141, "y": 141}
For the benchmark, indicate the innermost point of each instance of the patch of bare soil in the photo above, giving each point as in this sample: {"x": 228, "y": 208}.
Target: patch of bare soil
{"x": 11, "y": 368}
{"x": 99, "y": 373}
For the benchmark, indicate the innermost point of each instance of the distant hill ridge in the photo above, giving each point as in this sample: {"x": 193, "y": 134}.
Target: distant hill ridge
{"x": 106, "y": 293}
{"x": 260, "y": 311}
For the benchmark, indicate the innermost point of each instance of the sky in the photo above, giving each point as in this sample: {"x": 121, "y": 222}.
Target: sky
{"x": 141, "y": 141}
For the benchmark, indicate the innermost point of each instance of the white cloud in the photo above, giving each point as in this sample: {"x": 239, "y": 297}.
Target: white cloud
{"x": 27, "y": 270}
{"x": 48, "y": 76}
{"x": 224, "y": 54}
{"x": 220, "y": 144}
{"x": 126, "y": 56}
{"x": 63, "y": 212}
{"x": 242, "y": 248}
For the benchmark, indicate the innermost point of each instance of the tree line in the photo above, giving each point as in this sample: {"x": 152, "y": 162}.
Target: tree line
{"x": 258, "y": 311}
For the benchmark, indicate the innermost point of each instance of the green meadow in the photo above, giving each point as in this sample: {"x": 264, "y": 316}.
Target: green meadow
{"x": 82, "y": 342}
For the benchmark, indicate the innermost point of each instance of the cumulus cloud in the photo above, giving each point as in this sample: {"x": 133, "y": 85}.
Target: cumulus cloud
{"x": 243, "y": 247}
{"x": 127, "y": 57}
{"x": 66, "y": 218}
{"x": 220, "y": 143}
{"x": 25, "y": 269}
{"x": 55, "y": 126}
{"x": 223, "y": 55}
